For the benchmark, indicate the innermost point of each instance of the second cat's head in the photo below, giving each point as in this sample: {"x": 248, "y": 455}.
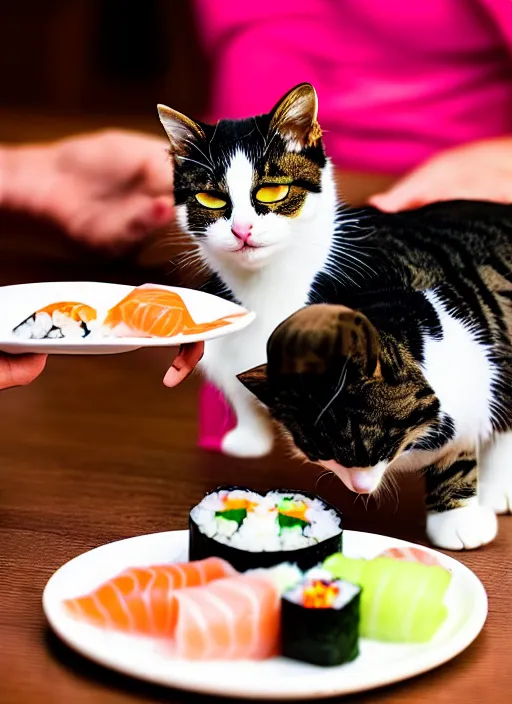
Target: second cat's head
{"x": 247, "y": 189}
{"x": 345, "y": 399}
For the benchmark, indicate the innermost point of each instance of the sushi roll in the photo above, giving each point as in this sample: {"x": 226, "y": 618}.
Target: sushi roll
{"x": 251, "y": 530}
{"x": 402, "y": 601}
{"x": 320, "y": 620}
{"x": 58, "y": 320}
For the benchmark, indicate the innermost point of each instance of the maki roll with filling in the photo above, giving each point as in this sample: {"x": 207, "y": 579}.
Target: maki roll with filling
{"x": 251, "y": 530}
{"x": 320, "y": 620}
{"x": 58, "y": 320}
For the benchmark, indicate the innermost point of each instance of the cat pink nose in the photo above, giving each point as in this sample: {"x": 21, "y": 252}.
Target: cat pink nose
{"x": 242, "y": 231}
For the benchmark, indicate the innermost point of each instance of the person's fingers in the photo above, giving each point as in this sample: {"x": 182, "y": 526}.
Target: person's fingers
{"x": 183, "y": 365}
{"x": 19, "y": 370}
{"x": 156, "y": 172}
{"x": 152, "y": 214}
{"x": 403, "y": 196}
{"x": 125, "y": 222}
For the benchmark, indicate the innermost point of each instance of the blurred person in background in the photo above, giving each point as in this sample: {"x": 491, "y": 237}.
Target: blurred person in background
{"x": 415, "y": 98}
{"x": 107, "y": 189}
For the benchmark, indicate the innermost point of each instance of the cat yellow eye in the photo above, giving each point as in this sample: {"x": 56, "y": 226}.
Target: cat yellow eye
{"x": 272, "y": 194}
{"x": 210, "y": 201}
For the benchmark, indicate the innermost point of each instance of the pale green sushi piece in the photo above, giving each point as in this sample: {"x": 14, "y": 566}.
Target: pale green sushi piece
{"x": 401, "y": 601}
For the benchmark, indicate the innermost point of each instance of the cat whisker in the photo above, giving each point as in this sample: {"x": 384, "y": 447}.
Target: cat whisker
{"x": 364, "y": 499}
{"x": 344, "y": 230}
{"x": 357, "y": 271}
{"x": 322, "y": 476}
{"x": 194, "y": 146}
{"x": 211, "y": 140}
{"x": 354, "y": 212}
{"x": 256, "y": 126}
{"x": 349, "y": 266}
{"x": 345, "y": 242}
{"x": 336, "y": 273}
{"x": 337, "y": 392}
{"x": 351, "y": 255}
{"x": 199, "y": 163}
{"x": 267, "y": 146}
{"x": 356, "y": 264}
{"x": 387, "y": 487}
{"x": 171, "y": 239}
{"x": 189, "y": 258}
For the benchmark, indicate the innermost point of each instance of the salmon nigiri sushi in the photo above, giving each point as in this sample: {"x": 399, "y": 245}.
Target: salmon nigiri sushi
{"x": 233, "y": 618}
{"x": 58, "y": 320}
{"x": 155, "y": 312}
{"x": 140, "y": 600}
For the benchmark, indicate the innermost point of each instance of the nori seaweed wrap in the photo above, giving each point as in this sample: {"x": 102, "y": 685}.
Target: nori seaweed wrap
{"x": 320, "y": 621}
{"x": 251, "y": 530}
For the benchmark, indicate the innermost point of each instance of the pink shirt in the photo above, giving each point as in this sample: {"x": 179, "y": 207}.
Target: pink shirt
{"x": 398, "y": 80}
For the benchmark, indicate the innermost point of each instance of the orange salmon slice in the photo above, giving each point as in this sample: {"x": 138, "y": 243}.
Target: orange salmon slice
{"x": 154, "y": 312}
{"x": 140, "y": 599}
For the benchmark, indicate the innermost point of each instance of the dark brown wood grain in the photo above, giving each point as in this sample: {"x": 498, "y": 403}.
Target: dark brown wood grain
{"x": 97, "y": 450}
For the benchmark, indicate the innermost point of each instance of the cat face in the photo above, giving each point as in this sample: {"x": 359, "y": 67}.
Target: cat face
{"x": 346, "y": 403}
{"x": 242, "y": 186}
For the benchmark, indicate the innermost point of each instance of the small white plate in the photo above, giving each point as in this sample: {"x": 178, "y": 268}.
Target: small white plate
{"x": 19, "y": 302}
{"x": 278, "y": 678}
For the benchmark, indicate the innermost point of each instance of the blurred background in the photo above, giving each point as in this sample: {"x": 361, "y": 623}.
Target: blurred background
{"x": 71, "y": 67}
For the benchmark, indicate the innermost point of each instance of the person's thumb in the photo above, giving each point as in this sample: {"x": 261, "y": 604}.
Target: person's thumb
{"x": 20, "y": 370}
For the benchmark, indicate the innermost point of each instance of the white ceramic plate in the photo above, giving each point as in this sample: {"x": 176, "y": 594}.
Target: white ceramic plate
{"x": 19, "y": 302}
{"x": 278, "y": 678}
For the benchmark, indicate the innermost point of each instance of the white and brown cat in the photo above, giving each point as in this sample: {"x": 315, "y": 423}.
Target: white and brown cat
{"x": 399, "y": 356}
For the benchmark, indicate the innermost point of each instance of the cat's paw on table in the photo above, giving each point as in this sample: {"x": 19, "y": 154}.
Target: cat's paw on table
{"x": 464, "y": 528}
{"x": 247, "y": 442}
{"x": 498, "y": 498}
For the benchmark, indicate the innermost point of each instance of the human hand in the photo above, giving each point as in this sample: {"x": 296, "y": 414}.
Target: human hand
{"x": 23, "y": 369}
{"x": 106, "y": 189}
{"x": 184, "y": 364}
{"x": 478, "y": 171}
{"x": 20, "y": 370}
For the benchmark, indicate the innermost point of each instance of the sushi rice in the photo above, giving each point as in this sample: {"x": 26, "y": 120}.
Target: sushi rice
{"x": 260, "y": 530}
{"x": 57, "y": 325}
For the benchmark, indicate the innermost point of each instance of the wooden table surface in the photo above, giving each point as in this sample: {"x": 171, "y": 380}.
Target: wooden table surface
{"x": 97, "y": 450}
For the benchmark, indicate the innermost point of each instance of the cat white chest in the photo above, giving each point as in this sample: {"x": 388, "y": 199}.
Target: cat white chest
{"x": 460, "y": 372}
{"x": 274, "y": 300}
{"x": 280, "y": 287}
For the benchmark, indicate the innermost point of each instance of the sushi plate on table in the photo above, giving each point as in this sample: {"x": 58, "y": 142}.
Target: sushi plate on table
{"x": 378, "y": 663}
{"x": 18, "y": 303}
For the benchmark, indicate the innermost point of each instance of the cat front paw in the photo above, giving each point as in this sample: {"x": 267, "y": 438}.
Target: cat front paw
{"x": 464, "y": 528}
{"x": 496, "y": 497}
{"x": 248, "y": 442}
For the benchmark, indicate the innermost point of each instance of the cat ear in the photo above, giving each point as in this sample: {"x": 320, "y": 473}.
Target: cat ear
{"x": 255, "y": 380}
{"x": 180, "y": 129}
{"x": 322, "y": 337}
{"x": 295, "y": 117}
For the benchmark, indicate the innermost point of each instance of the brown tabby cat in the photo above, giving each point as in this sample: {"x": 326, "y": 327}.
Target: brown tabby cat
{"x": 409, "y": 366}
